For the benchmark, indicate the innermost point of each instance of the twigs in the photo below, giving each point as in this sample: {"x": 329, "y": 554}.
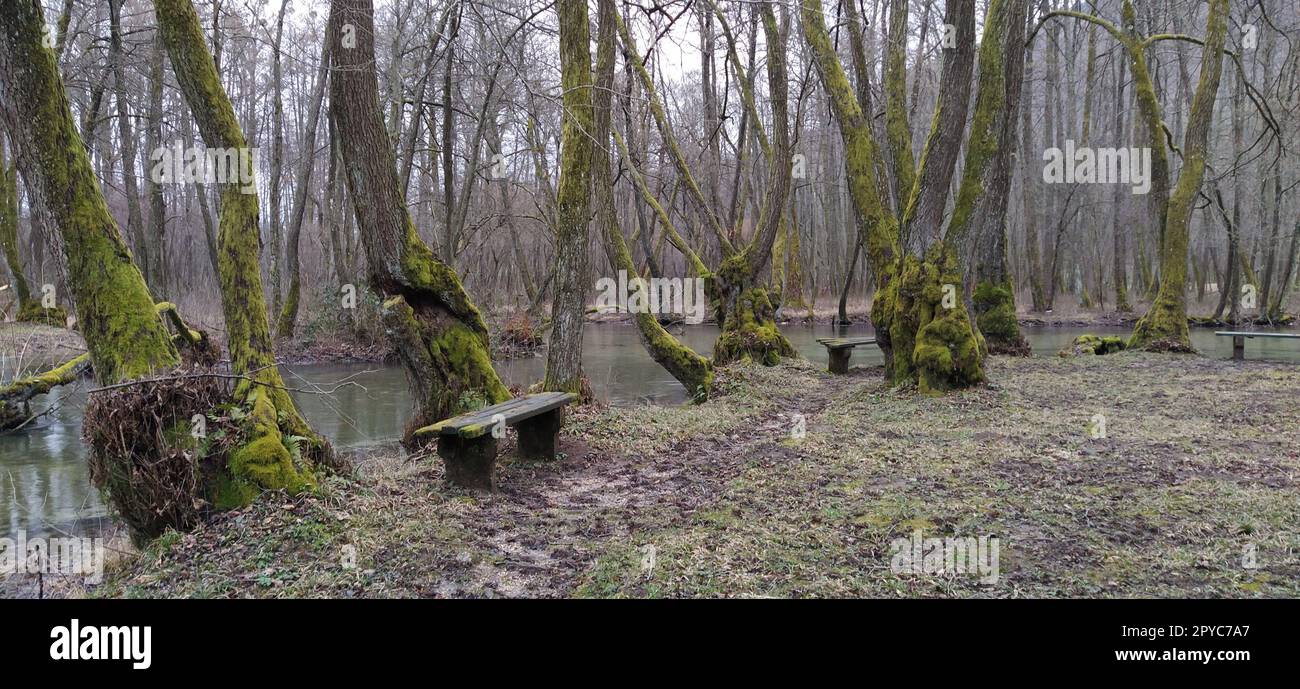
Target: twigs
{"x": 250, "y": 377}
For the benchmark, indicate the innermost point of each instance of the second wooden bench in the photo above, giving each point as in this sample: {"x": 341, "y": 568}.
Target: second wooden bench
{"x": 1239, "y": 340}
{"x": 838, "y": 350}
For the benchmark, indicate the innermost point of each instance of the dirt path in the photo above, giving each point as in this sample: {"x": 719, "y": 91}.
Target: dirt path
{"x": 548, "y": 517}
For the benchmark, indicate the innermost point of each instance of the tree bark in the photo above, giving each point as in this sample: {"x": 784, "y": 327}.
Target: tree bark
{"x": 1166, "y": 321}
{"x": 441, "y": 337}
{"x": 289, "y": 311}
{"x": 115, "y": 313}
{"x": 134, "y": 221}
{"x": 995, "y": 293}
{"x": 564, "y": 355}
{"x": 264, "y": 460}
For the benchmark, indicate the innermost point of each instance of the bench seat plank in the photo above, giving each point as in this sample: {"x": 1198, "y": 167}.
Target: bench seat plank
{"x": 845, "y": 342}
{"x": 477, "y": 423}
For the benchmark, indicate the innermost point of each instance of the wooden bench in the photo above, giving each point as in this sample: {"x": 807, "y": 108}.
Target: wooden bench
{"x": 468, "y": 443}
{"x": 838, "y": 350}
{"x": 1239, "y": 340}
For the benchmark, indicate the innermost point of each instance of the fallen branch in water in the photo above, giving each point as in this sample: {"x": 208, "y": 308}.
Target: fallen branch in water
{"x": 15, "y": 395}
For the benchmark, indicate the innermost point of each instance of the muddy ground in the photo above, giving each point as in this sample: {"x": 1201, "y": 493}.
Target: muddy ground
{"x": 1192, "y": 491}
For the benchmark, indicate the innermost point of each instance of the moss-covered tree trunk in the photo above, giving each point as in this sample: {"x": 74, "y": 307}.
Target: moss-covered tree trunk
{"x": 995, "y": 294}
{"x": 440, "y": 335}
{"x": 693, "y": 371}
{"x": 266, "y": 459}
{"x": 746, "y": 311}
{"x": 573, "y": 203}
{"x": 920, "y": 313}
{"x": 15, "y": 394}
{"x": 743, "y": 307}
{"x": 1166, "y": 321}
{"x": 9, "y": 229}
{"x": 115, "y": 312}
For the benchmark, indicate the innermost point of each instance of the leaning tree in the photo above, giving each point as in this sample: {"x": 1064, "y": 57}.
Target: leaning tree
{"x": 440, "y": 335}
{"x": 742, "y": 304}
{"x": 144, "y": 450}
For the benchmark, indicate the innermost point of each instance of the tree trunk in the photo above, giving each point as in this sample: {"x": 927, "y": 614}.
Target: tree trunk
{"x": 134, "y": 222}
{"x": 995, "y": 293}
{"x": 564, "y": 355}
{"x": 1119, "y": 231}
{"x": 265, "y": 460}
{"x": 441, "y": 337}
{"x": 289, "y": 311}
{"x": 153, "y": 189}
{"x": 1166, "y": 321}
{"x": 9, "y": 230}
{"x": 277, "y": 159}
{"x": 1029, "y": 196}
{"x": 930, "y": 338}
{"x": 693, "y": 371}
{"x": 115, "y": 313}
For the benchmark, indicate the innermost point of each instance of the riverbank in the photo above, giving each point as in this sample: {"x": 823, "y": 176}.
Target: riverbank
{"x": 27, "y": 348}
{"x": 1191, "y": 492}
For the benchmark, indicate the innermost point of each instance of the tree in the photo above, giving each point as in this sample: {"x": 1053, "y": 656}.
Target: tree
{"x": 289, "y": 312}
{"x": 990, "y": 148}
{"x": 265, "y": 461}
{"x": 126, "y": 136}
{"x": 1165, "y": 324}
{"x": 744, "y": 309}
{"x": 564, "y": 356}
{"x": 919, "y": 312}
{"x": 440, "y": 336}
{"x": 115, "y": 313}
{"x": 9, "y": 229}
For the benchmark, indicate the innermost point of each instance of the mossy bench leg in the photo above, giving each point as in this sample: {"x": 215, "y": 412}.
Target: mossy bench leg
{"x": 1238, "y": 348}
{"x": 537, "y": 435}
{"x": 839, "y": 359}
{"x": 471, "y": 462}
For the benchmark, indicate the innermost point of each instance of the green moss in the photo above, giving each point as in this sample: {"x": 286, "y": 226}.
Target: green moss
{"x": 995, "y": 314}
{"x": 750, "y": 333}
{"x": 9, "y": 230}
{"x": 289, "y": 311}
{"x": 990, "y": 106}
{"x": 448, "y": 359}
{"x": 899, "y": 134}
{"x": 33, "y": 312}
{"x": 114, "y": 309}
{"x": 264, "y": 461}
{"x": 1094, "y": 344}
{"x": 934, "y": 345}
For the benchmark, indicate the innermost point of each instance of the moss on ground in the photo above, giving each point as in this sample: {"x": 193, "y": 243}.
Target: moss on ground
{"x": 1197, "y": 463}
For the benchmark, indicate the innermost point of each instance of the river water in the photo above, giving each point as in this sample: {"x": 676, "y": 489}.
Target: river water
{"x": 45, "y": 485}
